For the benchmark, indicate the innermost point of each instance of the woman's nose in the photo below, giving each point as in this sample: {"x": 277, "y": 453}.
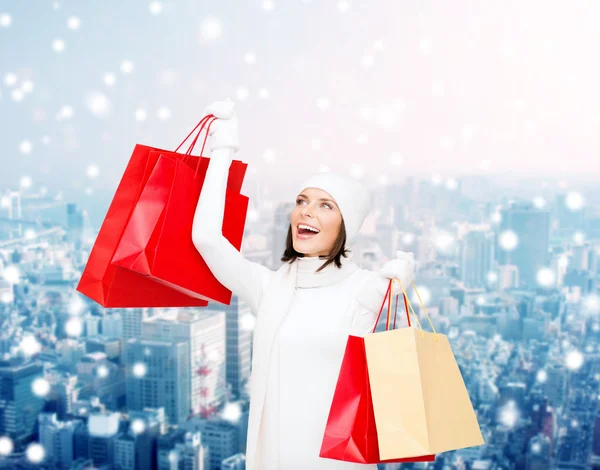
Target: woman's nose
{"x": 307, "y": 211}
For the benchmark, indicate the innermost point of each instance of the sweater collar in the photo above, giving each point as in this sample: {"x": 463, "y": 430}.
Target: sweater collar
{"x": 306, "y": 275}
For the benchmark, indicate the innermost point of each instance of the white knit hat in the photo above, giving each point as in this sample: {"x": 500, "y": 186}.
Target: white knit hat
{"x": 352, "y": 198}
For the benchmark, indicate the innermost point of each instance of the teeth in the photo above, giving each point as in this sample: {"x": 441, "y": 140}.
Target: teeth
{"x": 308, "y": 228}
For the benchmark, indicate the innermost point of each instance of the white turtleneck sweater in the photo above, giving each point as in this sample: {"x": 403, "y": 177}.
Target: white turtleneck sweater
{"x": 309, "y": 347}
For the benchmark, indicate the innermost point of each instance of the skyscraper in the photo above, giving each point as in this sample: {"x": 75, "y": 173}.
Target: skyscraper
{"x": 532, "y": 229}
{"x": 158, "y": 376}
{"x": 19, "y": 406}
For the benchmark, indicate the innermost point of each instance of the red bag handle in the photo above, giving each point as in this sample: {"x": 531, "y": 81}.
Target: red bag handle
{"x": 201, "y": 124}
{"x": 388, "y": 296}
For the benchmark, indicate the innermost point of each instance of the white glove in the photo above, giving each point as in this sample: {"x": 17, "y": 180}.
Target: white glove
{"x": 373, "y": 293}
{"x": 224, "y": 130}
{"x": 403, "y": 268}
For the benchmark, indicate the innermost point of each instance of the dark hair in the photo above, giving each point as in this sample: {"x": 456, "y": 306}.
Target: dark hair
{"x": 335, "y": 255}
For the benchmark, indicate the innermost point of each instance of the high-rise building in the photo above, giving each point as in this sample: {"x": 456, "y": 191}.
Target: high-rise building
{"x": 132, "y": 321}
{"x": 56, "y": 437}
{"x": 19, "y": 406}
{"x": 179, "y": 448}
{"x": 158, "y": 376}
{"x": 238, "y": 353}
{"x": 74, "y": 225}
{"x": 203, "y": 331}
{"x": 530, "y": 253}
{"x": 476, "y": 255}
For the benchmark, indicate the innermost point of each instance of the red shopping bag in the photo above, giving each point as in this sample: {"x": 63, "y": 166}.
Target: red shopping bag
{"x": 351, "y": 432}
{"x": 158, "y": 244}
{"x": 110, "y": 285}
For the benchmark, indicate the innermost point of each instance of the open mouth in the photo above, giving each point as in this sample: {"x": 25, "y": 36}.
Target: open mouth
{"x": 305, "y": 231}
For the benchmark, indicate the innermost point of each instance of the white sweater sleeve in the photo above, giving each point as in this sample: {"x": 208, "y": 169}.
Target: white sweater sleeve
{"x": 242, "y": 277}
{"x": 367, "y": 304}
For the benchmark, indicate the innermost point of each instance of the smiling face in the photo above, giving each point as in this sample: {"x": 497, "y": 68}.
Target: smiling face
{"x": 316, "y": 208}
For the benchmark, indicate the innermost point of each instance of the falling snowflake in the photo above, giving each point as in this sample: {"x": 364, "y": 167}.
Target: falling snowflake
{"x": 40, "y": 387}
{"x": 545, "y": 277}
{"x": 65, "y": 112}
{"x": 408, "y": 238}
{"x": 363, "y": 139}
{"x": 126, "y": 66}
{"x": 163, "y": 113}
{"x": 29, "y": 345}
{"x": 574, "y": 360}
{"x": 93, "y": 171}
{"x": 368, "y": 61}
{"x": 268, "y": 5}
{"x": 58, "y": 45}
{"x": 139, "y": 369}
{"x": 444, "y": 241}
{"x": 508, "y": 240}
{"x": 323, "y": 104}
{"x": 73, "y": 23}
{"x": 578, "y": 237}
{"x": 74, "y": 326}
{"x": 231, "y": 412}
{"x": 242, "y": 93}
{"x": 5, "y": 20}
{"x": 343, "y": 6}
{"x": 35, "y": 453}
{"x": 10, "y": 79}
{"x": 250, "y": 58}
{"x": 539, "y": 202}
{"x": 76, "y": 305}
{"x": 269, "y": 155}
{"x": 509, "y": 415}
{"x": 17, "y": 95}
{"x": 102, "y": 371}
{"x": 263, "y": 93}
{"x": 109, "y": 79}
{"x": 25, "y": 147}
{"x": 140, "y": 115}
{"x": 451, "y": 184}
{"x": 155, "y": 8}
{"x": 542, "y": 376}
{"x": 6, "y": 445}
{"x": 138, "y": 426}
{"x": 211, "y": 29}
{"x": 27, "y": 86}
{"x": 98, "y": 104}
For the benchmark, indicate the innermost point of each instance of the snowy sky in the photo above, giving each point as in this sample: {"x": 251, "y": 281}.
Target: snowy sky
{"x": 367, "y": 88}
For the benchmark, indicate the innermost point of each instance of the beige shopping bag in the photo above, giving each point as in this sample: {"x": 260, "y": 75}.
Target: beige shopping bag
{"x": 420, "y": 400}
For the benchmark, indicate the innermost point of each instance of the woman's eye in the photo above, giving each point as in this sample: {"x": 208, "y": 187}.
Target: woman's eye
{"x": 298, "y": 201}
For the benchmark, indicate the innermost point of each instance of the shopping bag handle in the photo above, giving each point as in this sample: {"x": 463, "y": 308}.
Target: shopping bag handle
{"x": 210, "y": 118}
{"x": 388, "y": 296}
{"x": 201, "y": 125}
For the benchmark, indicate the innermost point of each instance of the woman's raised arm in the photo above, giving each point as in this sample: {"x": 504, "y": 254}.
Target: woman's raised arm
{"x": 243, "y": 278}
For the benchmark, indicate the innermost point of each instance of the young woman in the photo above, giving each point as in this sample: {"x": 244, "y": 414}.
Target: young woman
{"x": 304, "y": 310}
